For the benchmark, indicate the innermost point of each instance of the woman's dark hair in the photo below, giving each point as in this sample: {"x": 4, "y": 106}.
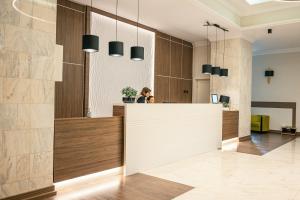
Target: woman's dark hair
{"x": 148, "y": 98}
{"x": 145, "y": 90}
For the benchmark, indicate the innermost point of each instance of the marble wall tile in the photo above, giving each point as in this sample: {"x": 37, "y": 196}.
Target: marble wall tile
{"x": 17, "y": 39}
{"x": 58, "y": 65}
{"x": 7, "y": 13}
{"x": 16, "y": 90}
{"x": 1, "y": 90}
{"x": 41, "y": 164}
{"x": 23, "y": 66}
{"x": 2, "y": 152}
{"x": 42, "y": 140}
{"x": 14, "y": 65}
{"x": 30, "y": 62}
{"x": 7, "y": 170}
{"x": 46, "y": 12}
{"x": 8, "y": 116}
{"x": 17, "y": 142}
{"x": 43, "y": 43}
{"x": 22, "y": 167}
{"x": 25, "y": 40}
{"x": 42, "y": 91}
{"x": 24, "y": 116}
{"x": 40, "y": 182}
{"x": 14, "y": 188}
{"x": 42, "y": 116}
{"x": 2, "y": 36}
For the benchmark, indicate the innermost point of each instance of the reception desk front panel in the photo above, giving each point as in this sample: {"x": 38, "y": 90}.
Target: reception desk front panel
{"x": 159, "y": 134}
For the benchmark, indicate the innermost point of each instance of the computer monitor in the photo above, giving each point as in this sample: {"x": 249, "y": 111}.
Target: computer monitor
{"x": 214, "y": 98}
{"x": 224, "y": 99}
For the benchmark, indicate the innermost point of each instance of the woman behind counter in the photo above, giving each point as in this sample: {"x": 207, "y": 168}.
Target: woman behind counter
{"x": 145, "y": 93}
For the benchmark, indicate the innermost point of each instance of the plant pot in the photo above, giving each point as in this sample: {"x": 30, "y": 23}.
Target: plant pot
{"x": 128, "y": 99}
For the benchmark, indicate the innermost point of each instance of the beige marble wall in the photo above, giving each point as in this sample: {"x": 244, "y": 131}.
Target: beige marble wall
{"x": 30, "y": 63}
{"x": 200, "y": 51}
{"x": 238, "y": 59}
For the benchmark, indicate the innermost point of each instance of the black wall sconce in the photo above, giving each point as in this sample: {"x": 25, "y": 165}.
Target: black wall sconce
{"x": 269, "y": 74}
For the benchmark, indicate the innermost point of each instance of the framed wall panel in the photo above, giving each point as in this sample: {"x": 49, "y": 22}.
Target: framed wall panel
{"x": 176, "y": 59}
{"x": 187, "y": 62}
{"x": 70, "y": 93}
{"x": 162, "y": 92}
{"x": 162, "y": 56}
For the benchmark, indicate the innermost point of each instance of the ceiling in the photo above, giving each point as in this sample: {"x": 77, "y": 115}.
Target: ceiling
{"x": 243, "y": 8}
{"x": 185, "y": 19}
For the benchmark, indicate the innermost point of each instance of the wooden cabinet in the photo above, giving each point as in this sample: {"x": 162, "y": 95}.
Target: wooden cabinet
{"x": 173, "y": 69}
{"x": 230, "y": 125}
{"x": 187, "y": 90}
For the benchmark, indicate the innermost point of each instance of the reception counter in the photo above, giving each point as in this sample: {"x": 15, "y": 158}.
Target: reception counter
{"x": 139, "y": 136}
{"x": 158, "y": 134}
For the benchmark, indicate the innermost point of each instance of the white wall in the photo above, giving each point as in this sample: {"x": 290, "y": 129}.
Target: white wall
{"x": 108, "y": 75}
{"x": 155, "y": 136}
{"x": 284, "y": 86}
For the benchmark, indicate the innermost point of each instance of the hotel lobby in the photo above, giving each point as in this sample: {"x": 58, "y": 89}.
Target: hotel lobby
{"x": 149, "y": 100}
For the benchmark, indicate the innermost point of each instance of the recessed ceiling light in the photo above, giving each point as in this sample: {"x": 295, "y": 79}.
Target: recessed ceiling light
{"x": 288, "y": 0}
{"x": 254, "y": 2}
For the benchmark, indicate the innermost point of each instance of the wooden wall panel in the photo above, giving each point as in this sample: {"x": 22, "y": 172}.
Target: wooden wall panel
{"x": 187, "y": 63}
{"x": 176, "y": 59}
{"x": 70, "y": 93}
{"x": 161, "y": 89}
{"x": 118, "y": 111}
{"x": 175, "y": 64}
{"x": 162, "y": 57}
{"x": 84, "y": 145}
{"x": 230, "y": 125}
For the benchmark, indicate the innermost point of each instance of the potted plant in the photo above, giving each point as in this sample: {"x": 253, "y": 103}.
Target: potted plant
{"x": 129, "y": 95}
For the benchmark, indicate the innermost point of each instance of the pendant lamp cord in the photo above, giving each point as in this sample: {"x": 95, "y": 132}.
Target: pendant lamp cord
{"x": 216, "y": 46}
{"x": 117, "y": 4}
{"x": 137, "y": 24}
{"x": 207, "y": 44}
{"x": 224, "y": 49}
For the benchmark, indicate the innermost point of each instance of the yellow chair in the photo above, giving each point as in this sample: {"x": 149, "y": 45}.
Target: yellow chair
{"x": 260, "y": 123}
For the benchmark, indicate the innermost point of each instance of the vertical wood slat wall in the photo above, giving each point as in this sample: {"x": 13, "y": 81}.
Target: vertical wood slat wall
{"x": 173, "y": 69}
{"x": 71, "y": 92}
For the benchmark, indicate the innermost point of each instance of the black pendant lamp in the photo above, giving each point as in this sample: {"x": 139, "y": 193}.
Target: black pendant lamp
{"x": 207, "y": 68}
{"x": 137, "y": 52}
{"x": 90, "y": 43}
{"x": 224, "y": 71}
{"x": 116, "y": 48}
{"x": 216, "y": 70}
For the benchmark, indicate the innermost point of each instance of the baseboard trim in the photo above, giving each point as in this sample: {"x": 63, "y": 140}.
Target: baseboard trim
{"x": 275, "y": 131}
{"x": 245, "y": 138}
{"x": 35, "y": 195}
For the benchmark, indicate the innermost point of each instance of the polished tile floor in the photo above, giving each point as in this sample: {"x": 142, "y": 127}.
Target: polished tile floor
{"x": 218, "y": 175}
{"x": 231, "y": 175}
